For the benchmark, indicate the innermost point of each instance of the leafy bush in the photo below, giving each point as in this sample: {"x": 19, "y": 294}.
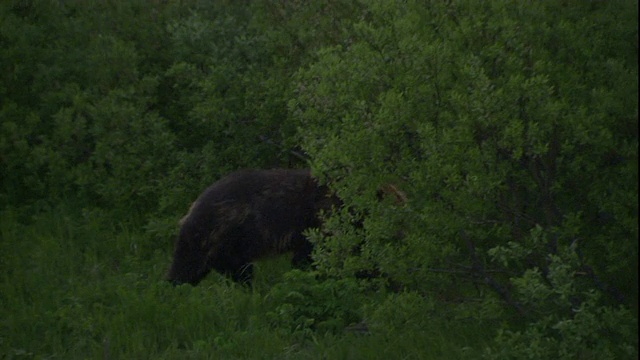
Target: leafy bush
{"x": 495, "y": 119}
{"x": 567, "y": 318}
{"x": 305, "y": 305}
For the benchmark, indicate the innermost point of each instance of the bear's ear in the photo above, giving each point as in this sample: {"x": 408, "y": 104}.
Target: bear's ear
{"x": 391, "y": 191}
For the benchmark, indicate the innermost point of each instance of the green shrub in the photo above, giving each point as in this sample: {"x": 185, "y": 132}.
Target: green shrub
{"x": 304, "y": 305}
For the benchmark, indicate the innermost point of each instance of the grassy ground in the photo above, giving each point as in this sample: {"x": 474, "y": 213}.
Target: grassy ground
{"x": 75, "y": 286}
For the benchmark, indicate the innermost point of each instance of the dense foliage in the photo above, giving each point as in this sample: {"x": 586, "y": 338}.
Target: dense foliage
{"x": 486, "y": 153}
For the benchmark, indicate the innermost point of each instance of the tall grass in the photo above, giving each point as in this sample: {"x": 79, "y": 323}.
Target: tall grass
{"x": 75, "y": 286}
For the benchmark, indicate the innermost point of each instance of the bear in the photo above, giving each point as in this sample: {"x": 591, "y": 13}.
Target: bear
{"x": 246, "y": 216}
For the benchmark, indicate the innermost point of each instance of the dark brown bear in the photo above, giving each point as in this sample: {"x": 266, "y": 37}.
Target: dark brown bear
{"x": 246, "y": 216}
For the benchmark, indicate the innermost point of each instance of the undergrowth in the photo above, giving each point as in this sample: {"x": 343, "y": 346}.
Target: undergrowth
{"x": 76, "y": 286}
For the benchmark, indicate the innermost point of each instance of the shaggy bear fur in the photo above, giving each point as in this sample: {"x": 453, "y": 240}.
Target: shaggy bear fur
{"x": 246, "y": 216}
